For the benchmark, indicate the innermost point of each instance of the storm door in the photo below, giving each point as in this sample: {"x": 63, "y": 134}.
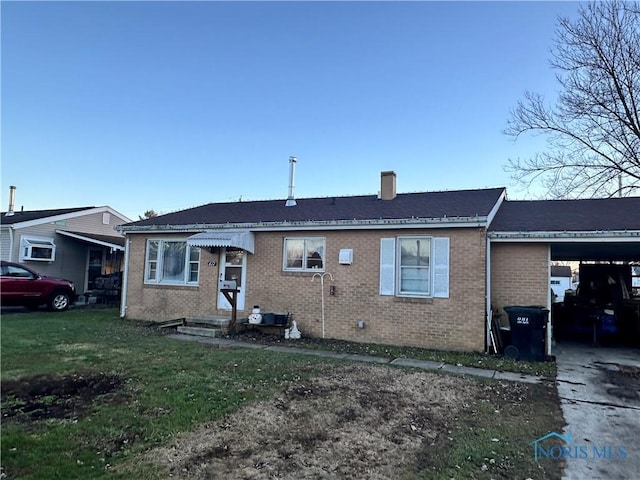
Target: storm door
{"x": 233, "y": 267}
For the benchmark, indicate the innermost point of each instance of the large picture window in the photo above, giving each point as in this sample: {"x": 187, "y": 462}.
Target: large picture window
{"x": 37, "y": 249}
{"x": 304, "y": 254}
{"x": 171, "y": 262}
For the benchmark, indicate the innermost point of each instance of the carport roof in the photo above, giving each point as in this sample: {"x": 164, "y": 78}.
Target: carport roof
{"x": 591, "y": 229}
{"x": 111, "y": 241}
{"x": 587, "y": 215}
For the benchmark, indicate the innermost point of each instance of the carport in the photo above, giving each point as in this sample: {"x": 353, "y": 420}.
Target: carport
{"x": 605, "y": 308}
{"x": 526, "y": 236}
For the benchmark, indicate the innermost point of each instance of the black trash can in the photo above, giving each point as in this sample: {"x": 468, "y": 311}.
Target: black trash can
{"x": 528, "y": 329}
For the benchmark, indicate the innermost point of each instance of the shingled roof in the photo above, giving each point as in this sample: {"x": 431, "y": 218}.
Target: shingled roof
{"x": 429, "y": 205}
{"x": 587, "y": 215}
{"x": 27, "y": 216}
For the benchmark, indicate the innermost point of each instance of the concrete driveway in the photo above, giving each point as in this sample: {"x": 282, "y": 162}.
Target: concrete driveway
{"x": 599, "y": 389}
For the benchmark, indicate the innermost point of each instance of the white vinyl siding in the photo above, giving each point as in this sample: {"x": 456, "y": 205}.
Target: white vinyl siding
{"x": 416, "y": 266}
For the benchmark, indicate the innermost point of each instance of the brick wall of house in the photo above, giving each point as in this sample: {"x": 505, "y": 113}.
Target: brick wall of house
{"x": 519, "y": 275}
{"x": 455, "y": 323}
{"x": 163, "y": 302}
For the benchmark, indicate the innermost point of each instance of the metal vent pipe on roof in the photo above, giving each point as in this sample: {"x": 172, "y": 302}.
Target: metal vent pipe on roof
{"x": 12, "y": 201}
{"x": 291, "y": 202}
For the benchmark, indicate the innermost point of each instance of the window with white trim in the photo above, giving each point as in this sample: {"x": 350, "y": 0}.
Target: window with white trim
{"x": 171, "y": 262}
{"x": 303, "y": 254}
{"x": 37, "y": 249}
{"x": 414, "y": 266}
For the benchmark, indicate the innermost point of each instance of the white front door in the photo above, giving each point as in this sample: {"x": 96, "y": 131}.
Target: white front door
{"x": 232, "y": 267}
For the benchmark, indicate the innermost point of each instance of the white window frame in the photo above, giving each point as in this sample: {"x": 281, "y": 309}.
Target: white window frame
{"x": 27, "y": 245}
{"x": 438, "y": 267}
{"x": 305, "y": 267}
{"x": 399, "y": 269}
{"x": 189, "y": 265}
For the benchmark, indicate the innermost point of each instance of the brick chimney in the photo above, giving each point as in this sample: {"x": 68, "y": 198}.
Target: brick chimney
{"x": 388, "y": 185}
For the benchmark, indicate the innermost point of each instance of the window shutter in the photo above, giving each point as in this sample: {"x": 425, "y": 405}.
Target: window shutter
{"x": 441, "y": 267}
{"x": 387, "y": 266}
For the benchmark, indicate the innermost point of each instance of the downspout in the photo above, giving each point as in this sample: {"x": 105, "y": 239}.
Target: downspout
{"x": 549, "y": 304}
{"x": 11, "y": 243}
{"x": 125, "y": 278}
{"x": 488, "y": 298}
{"x": 489, "y": 312}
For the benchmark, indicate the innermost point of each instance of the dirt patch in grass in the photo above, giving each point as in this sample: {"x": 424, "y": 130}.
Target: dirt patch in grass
{"x": 361, "y": 421}
{"x": 28, "y": 400}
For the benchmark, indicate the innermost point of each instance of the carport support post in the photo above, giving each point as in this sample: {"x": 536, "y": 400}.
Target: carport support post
{"x": 549, "y": 304}
{"x": 487, "y": 332}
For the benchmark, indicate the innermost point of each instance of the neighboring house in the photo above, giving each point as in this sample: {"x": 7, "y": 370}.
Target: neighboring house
{"x": 560, "y": 281}
{"x": 416, "y": 269}
{"x": 79, "y": 244}
{"x": 407, "y": 269}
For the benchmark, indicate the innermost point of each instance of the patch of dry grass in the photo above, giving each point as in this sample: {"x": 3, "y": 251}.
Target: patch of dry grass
{"x": 360, "y": 422}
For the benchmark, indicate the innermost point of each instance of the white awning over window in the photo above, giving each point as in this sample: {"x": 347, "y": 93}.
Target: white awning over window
{"x": 238, "y": 239}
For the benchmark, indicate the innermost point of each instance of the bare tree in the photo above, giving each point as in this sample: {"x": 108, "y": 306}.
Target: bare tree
{"x": 593, "y": 131}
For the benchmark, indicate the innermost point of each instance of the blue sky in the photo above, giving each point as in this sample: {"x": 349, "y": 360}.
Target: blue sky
{"x": 169, "y": 105}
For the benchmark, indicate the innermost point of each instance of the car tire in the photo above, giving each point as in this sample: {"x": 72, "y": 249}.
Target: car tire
{"x": 59, "y": 301}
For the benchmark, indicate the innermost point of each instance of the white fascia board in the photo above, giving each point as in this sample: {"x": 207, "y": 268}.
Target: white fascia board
{"x": 564, "y": 237}
{"x": 466, "y": 222}
{"x": 496, "y": 207}
{"x": 67, "y": 216}
{"x": 90, "y": 240}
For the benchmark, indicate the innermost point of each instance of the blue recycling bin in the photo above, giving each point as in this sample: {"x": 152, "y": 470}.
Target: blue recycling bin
{"x": 528, "y": 333}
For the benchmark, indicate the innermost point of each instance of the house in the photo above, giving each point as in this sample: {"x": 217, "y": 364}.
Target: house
{"x": 79, "y": 244}
{"x": 405, "y": 269}
{"x": 416, "y": 269}
{"x": 560, "y": 281}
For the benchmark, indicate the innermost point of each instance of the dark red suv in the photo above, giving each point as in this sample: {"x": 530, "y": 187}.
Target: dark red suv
{"x": 19, "y": 285}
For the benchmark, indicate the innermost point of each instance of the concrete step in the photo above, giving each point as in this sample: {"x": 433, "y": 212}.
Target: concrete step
{"x": 200, "y": 332}
{"x": 208, "y": 320}
{"x": 170, "y": 323}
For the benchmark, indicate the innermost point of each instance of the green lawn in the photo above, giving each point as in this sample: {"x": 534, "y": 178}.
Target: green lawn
{"x": 163, "y": 387}
{"x": 170, "y": 387}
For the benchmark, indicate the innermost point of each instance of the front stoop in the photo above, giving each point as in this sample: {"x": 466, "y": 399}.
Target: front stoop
{"x": 205, "y": 326}
{"x": 200, "y": 332}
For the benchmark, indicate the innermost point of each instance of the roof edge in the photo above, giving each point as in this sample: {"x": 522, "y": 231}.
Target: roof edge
{"x": 446, "y": 222}
{"x": 64, "y": 216}
{"x": 600, "y": 235}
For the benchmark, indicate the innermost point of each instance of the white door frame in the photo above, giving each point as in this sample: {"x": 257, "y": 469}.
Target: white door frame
{"x": 223, "y": 303}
